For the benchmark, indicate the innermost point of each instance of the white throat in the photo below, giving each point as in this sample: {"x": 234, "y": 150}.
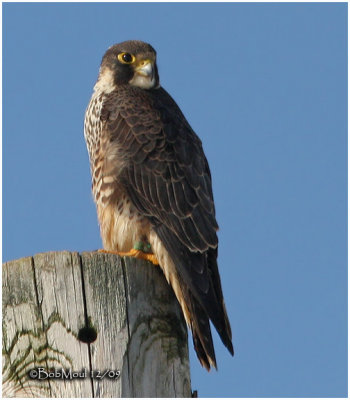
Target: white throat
{"x": 143, "y": 82}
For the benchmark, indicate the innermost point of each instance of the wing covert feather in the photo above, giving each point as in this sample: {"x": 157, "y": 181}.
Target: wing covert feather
{"x": 165, "y": 173}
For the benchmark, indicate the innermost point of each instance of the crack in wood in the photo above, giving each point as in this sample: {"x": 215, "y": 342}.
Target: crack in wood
{"x": 86, "y": 320}
{"x": 122, "y": 263}
{"x": 48, "y": 298}
{"x": 41, "y": 314}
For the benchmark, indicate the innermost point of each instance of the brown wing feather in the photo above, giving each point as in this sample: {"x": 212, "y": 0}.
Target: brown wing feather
{"x": 167, "y": 177}
{"x": 162, "y": 150}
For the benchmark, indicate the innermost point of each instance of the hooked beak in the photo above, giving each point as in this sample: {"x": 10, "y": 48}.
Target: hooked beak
{"x": 145, "y": 68}
{"x": 144, "y": 76}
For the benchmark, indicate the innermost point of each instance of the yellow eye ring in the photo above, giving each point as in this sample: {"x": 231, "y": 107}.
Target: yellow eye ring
{"x": 126, "y": 58}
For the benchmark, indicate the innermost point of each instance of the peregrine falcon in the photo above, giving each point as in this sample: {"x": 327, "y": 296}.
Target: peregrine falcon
{"x": 152, "y": 187}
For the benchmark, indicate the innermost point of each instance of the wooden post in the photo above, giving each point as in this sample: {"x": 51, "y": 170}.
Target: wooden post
{"x": 70, "y": 313}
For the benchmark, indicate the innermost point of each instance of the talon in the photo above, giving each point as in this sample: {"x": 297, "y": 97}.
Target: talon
{"x": 133, "y": 253}
{"x": 108, "y": 252}
{"x": 151, "y": 257}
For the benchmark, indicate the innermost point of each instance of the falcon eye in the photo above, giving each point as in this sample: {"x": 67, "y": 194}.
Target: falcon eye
{"x": 126, "y": 58}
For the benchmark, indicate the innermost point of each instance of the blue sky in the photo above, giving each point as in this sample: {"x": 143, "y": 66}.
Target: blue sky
{"x": 265, "y": 88}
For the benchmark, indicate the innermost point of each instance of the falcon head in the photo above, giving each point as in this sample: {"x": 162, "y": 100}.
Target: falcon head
{"x": 132, "y": 62}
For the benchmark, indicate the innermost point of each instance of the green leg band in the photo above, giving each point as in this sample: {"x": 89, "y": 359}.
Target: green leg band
{"x": 141, "y": 246}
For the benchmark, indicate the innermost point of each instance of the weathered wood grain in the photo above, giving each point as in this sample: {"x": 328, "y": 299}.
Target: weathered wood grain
{"x": 60, "y": 296}
{"x": 49, "y": 298}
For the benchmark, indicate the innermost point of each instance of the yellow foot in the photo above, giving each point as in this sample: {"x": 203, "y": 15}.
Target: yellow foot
{"x": 133, "y": 253}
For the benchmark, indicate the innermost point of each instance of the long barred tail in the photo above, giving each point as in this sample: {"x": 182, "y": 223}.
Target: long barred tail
{"x": 201, "y": 334}
{"x": 200, "y": 284}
